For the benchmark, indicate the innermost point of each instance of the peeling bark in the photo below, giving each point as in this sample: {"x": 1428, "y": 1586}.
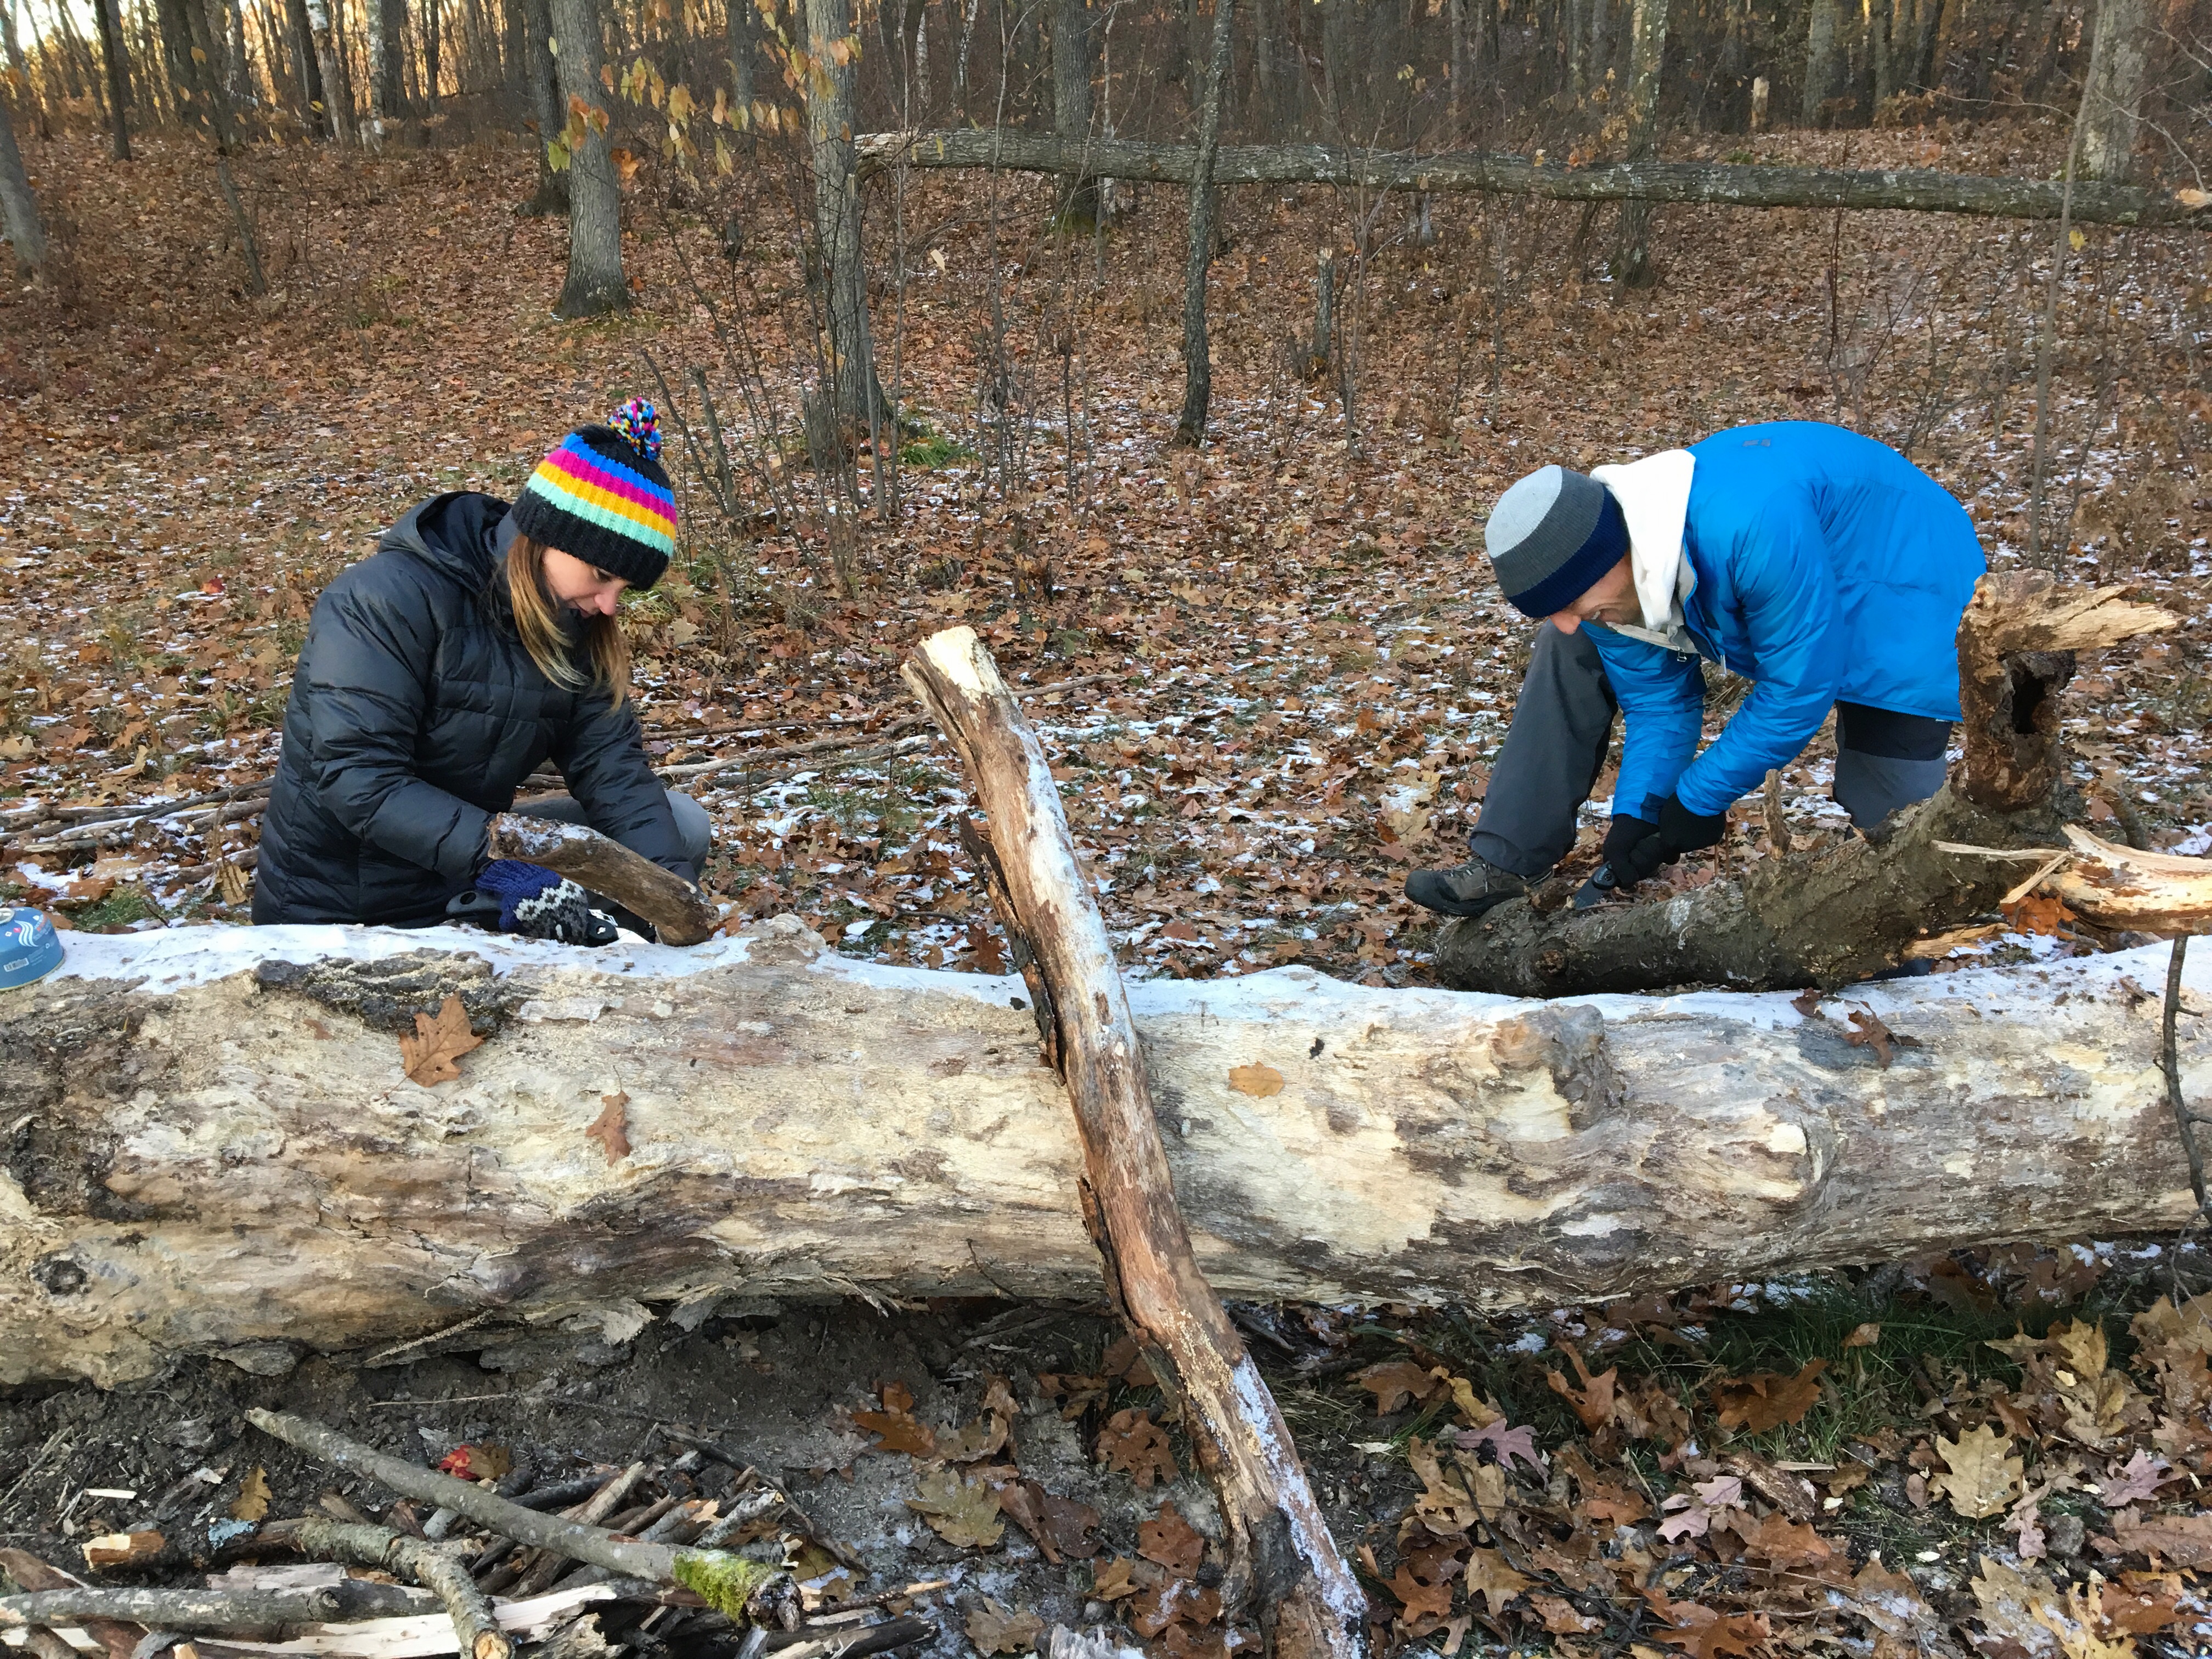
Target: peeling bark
{"x": 198, "y": 1151}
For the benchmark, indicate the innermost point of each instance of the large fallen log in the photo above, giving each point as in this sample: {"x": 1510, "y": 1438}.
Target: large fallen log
{"x": 207, "y": 1139}
{"x": 1830, "y": 915}
{"x": 1284, "y": 1566}
{"x": 1721, "y": 184}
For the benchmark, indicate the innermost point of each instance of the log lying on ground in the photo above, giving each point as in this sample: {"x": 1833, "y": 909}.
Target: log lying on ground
{"x": 207, "y": 1139}
{"x": 1829, "y": 916}
{"x": 1283, "y": 1565}
{"x": 1721, "y": 184}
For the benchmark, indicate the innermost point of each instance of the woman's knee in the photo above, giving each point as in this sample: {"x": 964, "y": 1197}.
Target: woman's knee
{"x": 695, "y": 829}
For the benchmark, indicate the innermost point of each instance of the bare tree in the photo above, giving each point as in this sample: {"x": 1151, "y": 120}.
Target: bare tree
{"x": 19, "y": 208}
{"x": 330, "y": 67}
{"x": 387, "y": 20}
{"x": 542, "y": 100}
{"x": 1198, "y": 368}
{"x": 594, "y": 285}
{"x": 744, "y": 27}
{"x": 1071, "y": 100}
{"x": 1632, "y": 259}
{"x": 314, "y": 101}
{"x": 116, "y": 66}
{"x": 1824, "y": 59}
{"x": 832, "y": 88}
{"x": 2111, "y": 97}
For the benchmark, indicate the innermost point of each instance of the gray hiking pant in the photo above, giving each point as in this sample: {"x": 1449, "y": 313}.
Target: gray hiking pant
{"x": 1564, "y": 721}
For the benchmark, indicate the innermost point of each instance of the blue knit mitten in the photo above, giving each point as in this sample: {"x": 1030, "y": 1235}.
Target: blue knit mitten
{"x": 536, "y": 903}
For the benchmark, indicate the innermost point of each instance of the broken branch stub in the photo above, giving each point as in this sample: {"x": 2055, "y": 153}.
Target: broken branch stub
{"x": 1282, "y": 1563}
{"x": 2016, "y": 645}
{"x": 679, "y": 912}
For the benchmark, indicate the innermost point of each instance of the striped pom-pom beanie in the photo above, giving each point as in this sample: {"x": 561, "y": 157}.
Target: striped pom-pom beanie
{"x": 602, "y": 495}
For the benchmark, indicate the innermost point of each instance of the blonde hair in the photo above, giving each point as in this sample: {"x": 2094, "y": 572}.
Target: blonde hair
{"x": 604, "y": 646}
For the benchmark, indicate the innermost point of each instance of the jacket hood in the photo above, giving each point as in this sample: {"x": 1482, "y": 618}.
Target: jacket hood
{"x": 462, "y": 533}
{"x": 1654, "y": 495}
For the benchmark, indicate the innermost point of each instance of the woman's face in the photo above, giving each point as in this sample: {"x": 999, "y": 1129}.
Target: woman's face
{"x": 581, "y": 586}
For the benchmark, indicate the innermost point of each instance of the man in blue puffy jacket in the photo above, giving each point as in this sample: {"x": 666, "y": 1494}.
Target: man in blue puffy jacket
{"x": 1823, "y": 567}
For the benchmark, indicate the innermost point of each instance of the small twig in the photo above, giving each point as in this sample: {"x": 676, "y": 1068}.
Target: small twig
{"x": 2169, "y": 1059}
{"x": 218, "y": 1610}
{"x": 475, "y": 1626}
{"x": 576, "y": 1540}
{"x": 387, "y": 1356}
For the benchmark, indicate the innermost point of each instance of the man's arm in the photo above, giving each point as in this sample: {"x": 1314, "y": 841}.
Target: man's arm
{"x": 1788, "y": 594}
{"x": 365, "y": 670}
{"x": 1662, "y": 699}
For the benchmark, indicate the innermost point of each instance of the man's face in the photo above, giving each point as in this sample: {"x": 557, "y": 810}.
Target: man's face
{"x": 580, "y": 587}
{"x": 1610, "y": 599}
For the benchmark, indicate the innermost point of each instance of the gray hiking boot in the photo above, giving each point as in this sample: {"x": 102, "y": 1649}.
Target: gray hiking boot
{"x": 1466, "y": 889}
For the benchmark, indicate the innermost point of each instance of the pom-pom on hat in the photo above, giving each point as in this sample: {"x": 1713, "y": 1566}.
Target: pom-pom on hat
{"x": 602, "y": 495}
{"x": 1551, "y": 537}
{"x": 29, "y": 948}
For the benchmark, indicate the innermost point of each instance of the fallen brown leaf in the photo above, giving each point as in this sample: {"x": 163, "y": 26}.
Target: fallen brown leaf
{"x": 1983, "y": 1474}
{"x": 610, "y": 1128}
{"x": 996, "y": 1629}
{"x": 429, "y": 1054}
{"x": 1258, "y": 1080}
{"x": 963, "y": 1512}
{"x": 252, "y": 1503}
{"x": 1172, "y": 1541}
{"x": 1134, "y": 1443}
{"x": 1767, "y": 1399}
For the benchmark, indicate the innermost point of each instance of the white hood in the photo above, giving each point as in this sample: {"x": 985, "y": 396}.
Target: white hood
{"x": 1654, "y": 495}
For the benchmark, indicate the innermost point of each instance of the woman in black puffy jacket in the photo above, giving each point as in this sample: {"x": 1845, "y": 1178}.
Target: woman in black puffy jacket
{"x": 478, "y": 643}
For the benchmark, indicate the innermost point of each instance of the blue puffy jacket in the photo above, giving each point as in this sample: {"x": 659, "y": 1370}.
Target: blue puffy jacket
{"x": 1825, "y": 566}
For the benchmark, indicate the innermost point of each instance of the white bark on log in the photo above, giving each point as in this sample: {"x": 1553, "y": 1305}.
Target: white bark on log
{"x": 1283, "y": 1565}
{"x": 199, "y": 1148}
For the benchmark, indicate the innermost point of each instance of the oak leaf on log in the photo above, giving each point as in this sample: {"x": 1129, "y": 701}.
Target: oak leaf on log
{"x": 429, "y": 1054}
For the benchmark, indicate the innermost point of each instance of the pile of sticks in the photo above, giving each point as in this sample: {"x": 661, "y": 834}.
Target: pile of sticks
{"x": 696, "y": 1546}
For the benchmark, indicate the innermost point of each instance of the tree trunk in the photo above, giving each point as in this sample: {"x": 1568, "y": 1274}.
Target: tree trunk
{"x": 204, "y": 62}
{"x": 831, "y": 91}
{"x": 1824, "y": 59}
{"x": 1283, "y": 1565}
{"x": 1335, "y": 67}
{"x": 594, "y": 286}
{"x": 1647, "y": 54}
{"x": 19, "y": 207}
{"x": 1910, "y": 189}
{"x": 1930, "y": 35}
{"x": 315, "y": 103}
{"x": 433, "y": 50}
{"x": 1070, "y": 102}
{"x": 116, "y": 66}
{"x": 330, "y": 69}
{"x": 743, "y": 27}
{"x": 207, "y": 1145}
{"x": 1832, "y": 917}
{"x": 541, "y": 95}
{"x": 2112, "y": 93}
{"x": 1881, "y": 25}
{"x": 1462, "y": 76}
{"x": 388, "y": 23}
{"x": 1197, "y": 351}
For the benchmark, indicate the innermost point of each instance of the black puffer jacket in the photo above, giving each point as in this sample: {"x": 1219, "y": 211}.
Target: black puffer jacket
{"x": 415, "y": 713}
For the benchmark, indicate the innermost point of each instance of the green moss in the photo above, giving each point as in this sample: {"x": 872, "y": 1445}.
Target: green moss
{"x": 727, "y": 1580}
{"x": 932, "y": 449}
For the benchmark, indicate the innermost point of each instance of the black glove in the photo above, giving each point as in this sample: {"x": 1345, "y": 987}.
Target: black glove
{"x": 1631, "y": 850}
{"x": 1681, "y": 830}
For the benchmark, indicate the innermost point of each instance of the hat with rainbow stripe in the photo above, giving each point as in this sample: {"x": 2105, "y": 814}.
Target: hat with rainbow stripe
{"x": 602, "y": 495}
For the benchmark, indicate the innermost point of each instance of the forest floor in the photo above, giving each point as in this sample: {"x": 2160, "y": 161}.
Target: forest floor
{"x": 1283, "y": 672}
{"x": 1286, "y": 664}
{"x": 1930, "y": 1458}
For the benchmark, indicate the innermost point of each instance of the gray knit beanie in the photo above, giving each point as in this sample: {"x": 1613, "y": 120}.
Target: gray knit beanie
{"x": 1551, "y": 537}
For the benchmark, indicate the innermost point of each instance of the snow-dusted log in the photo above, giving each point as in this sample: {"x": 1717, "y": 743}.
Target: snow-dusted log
{"x": 203, "y": 1146}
